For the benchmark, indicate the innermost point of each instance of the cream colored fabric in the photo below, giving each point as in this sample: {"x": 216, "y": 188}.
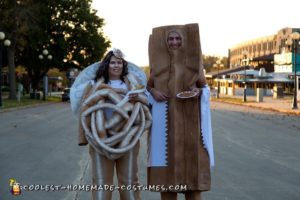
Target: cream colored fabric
{"x": 127, "y": 173}
{"x": 119, "y": 133}
{"x": 84, "y": 79}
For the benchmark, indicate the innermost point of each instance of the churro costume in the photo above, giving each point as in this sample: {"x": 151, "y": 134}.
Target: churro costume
{"x": 113, "y": 140}
{"x": 181, "y": 151}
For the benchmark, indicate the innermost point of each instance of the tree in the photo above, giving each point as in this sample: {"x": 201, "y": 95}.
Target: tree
{"x": 209, "y": 61}
{"x": 72, "y": 33}
{"x": 17, "y": 18}
{"x": 8, "y": 11}
{"x": 69, "y": 29}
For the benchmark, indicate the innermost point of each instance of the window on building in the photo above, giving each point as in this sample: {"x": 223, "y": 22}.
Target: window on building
{"x": 270, "y": 46}
{"x": 282, "y": 42}
{"x": 264, "y": 46}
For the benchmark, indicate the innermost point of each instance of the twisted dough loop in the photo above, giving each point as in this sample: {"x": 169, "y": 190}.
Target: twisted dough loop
{"x": 115, "y": 136}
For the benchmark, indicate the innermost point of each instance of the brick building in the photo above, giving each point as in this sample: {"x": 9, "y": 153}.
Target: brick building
{"x": 261, "y": 51}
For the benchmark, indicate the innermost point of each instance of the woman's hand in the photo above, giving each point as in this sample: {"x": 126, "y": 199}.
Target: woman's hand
{"x": 159, "y": 96}
{"x": 133, "y": 97}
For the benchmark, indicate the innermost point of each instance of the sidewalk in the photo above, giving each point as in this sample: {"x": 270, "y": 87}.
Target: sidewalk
{"x": 283, "y": 105}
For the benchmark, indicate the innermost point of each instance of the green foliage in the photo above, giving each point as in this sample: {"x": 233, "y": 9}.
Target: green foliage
{"x": 69, "y": 29}
{"x": 54, "y": 72}
{"x": 209, "y": 61}
{"x": 77, "y": 31}
{"x": 24, "y": 101}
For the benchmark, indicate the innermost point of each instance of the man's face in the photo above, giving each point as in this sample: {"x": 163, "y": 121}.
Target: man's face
{"x": 174, "y": 40}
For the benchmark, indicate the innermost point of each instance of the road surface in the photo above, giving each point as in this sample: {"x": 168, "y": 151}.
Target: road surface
{"x": 256, "y": 153}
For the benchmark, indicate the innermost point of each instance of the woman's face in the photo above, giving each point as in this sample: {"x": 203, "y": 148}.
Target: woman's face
{"x": 174, "y": 40}
{"x": 115, "y": 68}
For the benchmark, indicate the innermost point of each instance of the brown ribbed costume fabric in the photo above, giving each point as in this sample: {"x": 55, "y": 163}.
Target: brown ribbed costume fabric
{"x": 174, "y": 71}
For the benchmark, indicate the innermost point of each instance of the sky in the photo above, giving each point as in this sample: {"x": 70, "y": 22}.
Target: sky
{"x": 222, "y": 23}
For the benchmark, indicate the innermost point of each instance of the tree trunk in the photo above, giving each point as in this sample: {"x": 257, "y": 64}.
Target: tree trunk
{"x": 12, "y": 74}
{"x": 11, "y": 56}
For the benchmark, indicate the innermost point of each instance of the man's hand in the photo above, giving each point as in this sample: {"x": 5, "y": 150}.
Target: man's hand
{"x": 159, "y": 96}
{"x": 196, "y": 90}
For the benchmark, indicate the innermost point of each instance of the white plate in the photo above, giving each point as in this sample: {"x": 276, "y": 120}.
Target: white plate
{"x": 191, "y": 94}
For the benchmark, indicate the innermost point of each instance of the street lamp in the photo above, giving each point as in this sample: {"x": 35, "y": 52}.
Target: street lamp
{"x": 45, "y": 52}
{"x": 217, "y": 65}
{"x": 245, "y": 52}
{"x": 6, "y": 43}
{"x": 295, "y": 42}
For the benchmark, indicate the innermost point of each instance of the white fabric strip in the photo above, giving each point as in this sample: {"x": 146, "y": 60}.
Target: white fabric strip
{"x": 158, "y": 139}
{"x": 206, "y": 124}
{"x": 79, "y": 85}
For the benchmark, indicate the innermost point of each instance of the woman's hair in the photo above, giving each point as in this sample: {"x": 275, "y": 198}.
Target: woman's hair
{"x": 104, "y": 65}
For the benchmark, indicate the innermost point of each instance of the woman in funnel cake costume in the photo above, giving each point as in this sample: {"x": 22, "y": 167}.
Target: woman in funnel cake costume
{"x": 113, "y": 115}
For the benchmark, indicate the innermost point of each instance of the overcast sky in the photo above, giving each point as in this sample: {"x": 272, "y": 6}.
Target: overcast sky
{"x": 223, "y": 23}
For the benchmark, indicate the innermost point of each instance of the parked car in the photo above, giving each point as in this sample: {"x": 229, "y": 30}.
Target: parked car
{"x": 66, "y": 95}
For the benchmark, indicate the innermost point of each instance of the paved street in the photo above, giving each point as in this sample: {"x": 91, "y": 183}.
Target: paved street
{"x": 38, "y": 146}
{"x": 257, "y": 154}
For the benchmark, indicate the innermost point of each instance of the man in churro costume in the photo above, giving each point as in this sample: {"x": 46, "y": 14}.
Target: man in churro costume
{"x": 113, "y": 115}
{"x": 181, "y": 151}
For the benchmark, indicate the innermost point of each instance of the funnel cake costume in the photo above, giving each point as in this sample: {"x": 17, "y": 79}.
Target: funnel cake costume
{"x": 112, "y": 126}
{"x": 181, "y": 148}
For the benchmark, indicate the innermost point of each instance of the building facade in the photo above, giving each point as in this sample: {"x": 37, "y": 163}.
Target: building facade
{"x": 261, "y": 51}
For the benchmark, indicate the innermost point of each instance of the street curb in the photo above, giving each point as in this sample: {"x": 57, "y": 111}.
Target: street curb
{"x": 259, "y": 107}
{"x": 3, "y": 110}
